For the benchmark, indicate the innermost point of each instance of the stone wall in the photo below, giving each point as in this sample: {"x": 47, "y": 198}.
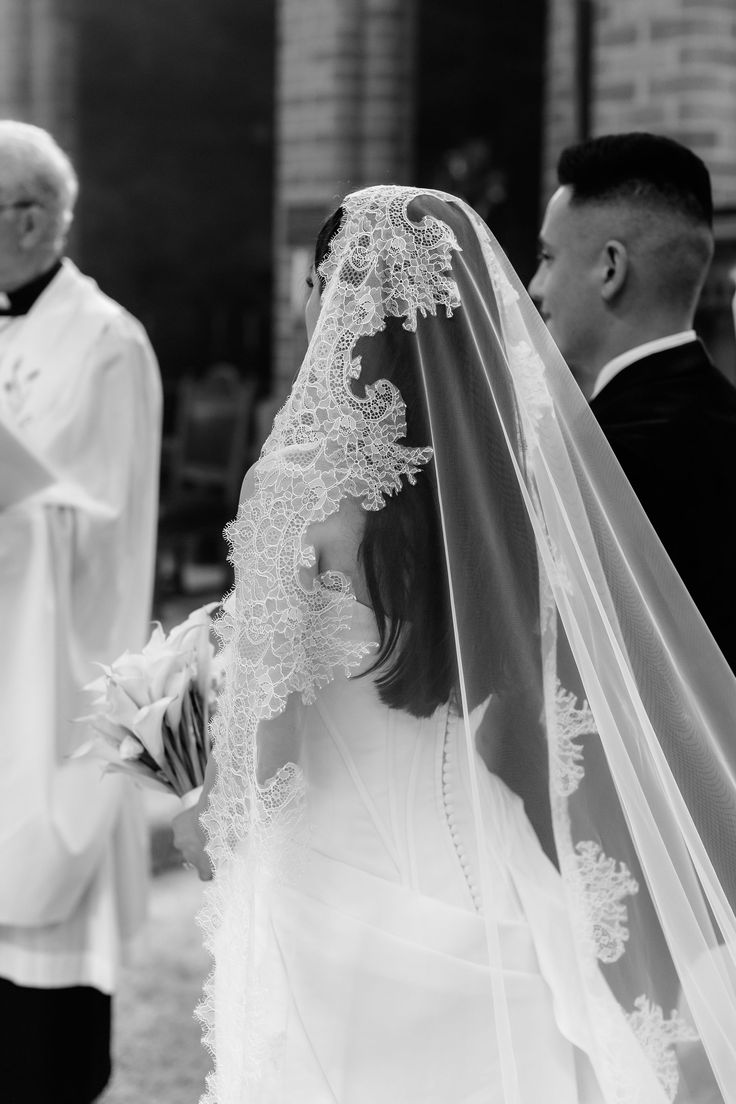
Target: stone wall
{"x": 663, "y": 65}
{"x": 668, "y": 66}
{"x": 344, "y": 117}
{"x": 167, "y": 110}
{"x": 560, "y": 99}
{"x": 38, "y": 66}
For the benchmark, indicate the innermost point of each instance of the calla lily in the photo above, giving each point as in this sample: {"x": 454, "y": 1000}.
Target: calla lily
{"x": 161, "y": 670}
{"x": 147, "y": 727}
{"x": 204, "y": 659}
{"x": 157, "y": 640}
{"x": 135, "y": 686}
{"x": 99, "y": 685}
{"x": 99, "y": 748}
{"x": 120, "y": 705}
{"x": 142, "y": 775}
{"x": 185, "y": 636}
{"x": 197, "y": 619}
{"x": 175, "y": 690}
{"x": 131, "y": 748}
{"x": 105, "y": 727}
{"x": 149, "y": 710}
{"x": 129, "y": 666}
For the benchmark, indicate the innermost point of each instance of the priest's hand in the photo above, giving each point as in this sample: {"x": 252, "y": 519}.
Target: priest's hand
{"x": 189, "y": 838}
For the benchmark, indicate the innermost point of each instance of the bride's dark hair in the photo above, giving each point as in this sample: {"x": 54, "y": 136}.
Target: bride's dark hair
{"x": 402, "y": 552}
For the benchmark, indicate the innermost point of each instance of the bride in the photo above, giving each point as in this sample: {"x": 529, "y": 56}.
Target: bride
{"x": 471, "y": 813}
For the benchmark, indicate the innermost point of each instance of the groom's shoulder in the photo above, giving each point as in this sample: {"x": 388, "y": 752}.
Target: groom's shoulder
{"x": 680, "y": 384}
{"x": 670, "y": 416}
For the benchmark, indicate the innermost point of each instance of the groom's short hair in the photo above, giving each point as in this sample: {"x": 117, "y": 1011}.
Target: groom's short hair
{"x": 641, "y": 169}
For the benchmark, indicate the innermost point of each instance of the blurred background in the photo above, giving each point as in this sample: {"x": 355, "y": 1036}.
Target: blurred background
{"x": 212, "y": 137}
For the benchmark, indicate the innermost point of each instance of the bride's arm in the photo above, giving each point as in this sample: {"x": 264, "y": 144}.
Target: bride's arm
{"x": 278, "y": 744}
{"x": 336, "y": 542}
{"x": 189, "y": 835}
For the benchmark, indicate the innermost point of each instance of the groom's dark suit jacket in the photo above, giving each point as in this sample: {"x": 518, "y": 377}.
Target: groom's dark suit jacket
{"x": 670, "y": 418}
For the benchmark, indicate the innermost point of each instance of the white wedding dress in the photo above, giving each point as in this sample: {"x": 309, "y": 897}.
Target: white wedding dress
{"x": 385, "y": 926}
{"x": 378, "y": 987}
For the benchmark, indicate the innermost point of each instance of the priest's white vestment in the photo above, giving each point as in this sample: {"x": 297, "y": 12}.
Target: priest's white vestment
{"x": 79, "y": 384}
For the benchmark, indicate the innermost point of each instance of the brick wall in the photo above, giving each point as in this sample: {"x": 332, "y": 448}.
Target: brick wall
{"x": 344, "y": 115}
{"x": 663, "y": 65}
{"x": 560, "y": 108}
{"x": 668, "y": 66}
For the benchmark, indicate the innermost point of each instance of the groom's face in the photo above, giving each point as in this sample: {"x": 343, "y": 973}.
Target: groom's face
{"x": 565, "y": 285}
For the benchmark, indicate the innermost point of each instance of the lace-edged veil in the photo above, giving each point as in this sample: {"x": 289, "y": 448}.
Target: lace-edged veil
{"x": 582, "y": 669}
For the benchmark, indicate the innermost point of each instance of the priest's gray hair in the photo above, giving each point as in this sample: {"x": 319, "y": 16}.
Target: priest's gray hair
{"x": 34, "y": 168}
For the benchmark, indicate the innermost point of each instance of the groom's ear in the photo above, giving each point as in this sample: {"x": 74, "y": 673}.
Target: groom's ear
{"x": 614, "y": 269}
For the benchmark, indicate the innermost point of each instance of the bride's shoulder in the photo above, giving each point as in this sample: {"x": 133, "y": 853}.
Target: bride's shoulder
{"x": 341, "y": 530}
{"x": 336, "y": 540}
{"x": 347, "y": 520}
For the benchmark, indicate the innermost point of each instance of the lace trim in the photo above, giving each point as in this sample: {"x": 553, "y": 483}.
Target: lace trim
{"x": 286, "y": 629}
{"x": 411, "y": 260}
{"x": 529, "y": 376}
{"x": 658, "y": 1037}
{"x": 499, "y": 280}
{"x": 598, "y": 883}
{"x": 601, "y": 885}
{"x": 572, "y": 723}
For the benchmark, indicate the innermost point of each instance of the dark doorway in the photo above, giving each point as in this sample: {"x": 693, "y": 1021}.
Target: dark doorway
{"x": 480, "y": 91}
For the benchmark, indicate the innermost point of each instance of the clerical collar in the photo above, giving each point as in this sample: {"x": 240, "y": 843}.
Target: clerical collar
{"x": 22, "y": 299}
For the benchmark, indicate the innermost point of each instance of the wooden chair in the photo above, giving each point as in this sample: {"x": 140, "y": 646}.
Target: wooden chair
{"x": 206, "y": 461}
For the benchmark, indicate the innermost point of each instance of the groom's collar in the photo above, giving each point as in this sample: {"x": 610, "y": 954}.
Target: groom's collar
{"x": 623, "y": 360}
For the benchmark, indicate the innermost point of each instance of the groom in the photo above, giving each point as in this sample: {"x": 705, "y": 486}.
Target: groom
{"x": 625, "y": 248}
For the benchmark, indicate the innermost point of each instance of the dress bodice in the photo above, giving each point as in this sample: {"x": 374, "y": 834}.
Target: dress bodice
{"x": 381, "y": 937}
{"x": 390, "y": 792}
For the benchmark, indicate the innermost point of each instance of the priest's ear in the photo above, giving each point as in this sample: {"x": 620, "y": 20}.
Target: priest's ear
{"x": 34, "y": 226}
{"x": 614, "y": 267}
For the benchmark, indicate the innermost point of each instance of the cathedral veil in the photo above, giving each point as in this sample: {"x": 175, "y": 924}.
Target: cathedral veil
{"x": 580, "y": 667}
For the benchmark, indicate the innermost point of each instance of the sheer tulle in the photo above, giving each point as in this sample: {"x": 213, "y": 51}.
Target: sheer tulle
{"x": 586, "y": 678}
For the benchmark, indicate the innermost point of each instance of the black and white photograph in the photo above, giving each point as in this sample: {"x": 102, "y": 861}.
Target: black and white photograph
{"x": 368, "y": 552}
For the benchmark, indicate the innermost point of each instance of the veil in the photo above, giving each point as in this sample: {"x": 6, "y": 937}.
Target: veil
{"x": 581, "y": 669}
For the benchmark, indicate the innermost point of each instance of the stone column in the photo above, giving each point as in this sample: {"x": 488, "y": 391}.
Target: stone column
{"x": 344, "y": 109}
{"x": 37, "y": 66}
{"x": 560, "y": 102}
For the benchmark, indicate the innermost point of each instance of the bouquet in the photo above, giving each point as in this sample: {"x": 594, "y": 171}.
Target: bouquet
{"x": 151, "y": 710}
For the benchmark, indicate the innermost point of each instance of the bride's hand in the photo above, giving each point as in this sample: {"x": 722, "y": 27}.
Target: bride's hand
{"x": 189, "y": 838}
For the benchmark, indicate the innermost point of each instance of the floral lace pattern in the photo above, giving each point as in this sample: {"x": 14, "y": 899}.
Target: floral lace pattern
{"x": 530, "y": 379}
{"x": 572, "y": 723}
{"x": 286, "y": 630}
{"x": 409, "y": 261}
{"x": 500, "y": 282}
{"x": 601, "y": 884}
{"x": 285, "y": 626}
{"x": 658, "y": 1037}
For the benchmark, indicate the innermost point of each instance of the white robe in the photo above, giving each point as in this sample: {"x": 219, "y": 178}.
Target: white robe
{"x": 79, "y": 383}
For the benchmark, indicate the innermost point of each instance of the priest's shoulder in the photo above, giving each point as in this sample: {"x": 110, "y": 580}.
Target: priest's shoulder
{"x": 116, "y": 322}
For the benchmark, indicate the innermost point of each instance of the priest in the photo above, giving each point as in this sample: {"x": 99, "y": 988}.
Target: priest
{"x": 80, "y": 412}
